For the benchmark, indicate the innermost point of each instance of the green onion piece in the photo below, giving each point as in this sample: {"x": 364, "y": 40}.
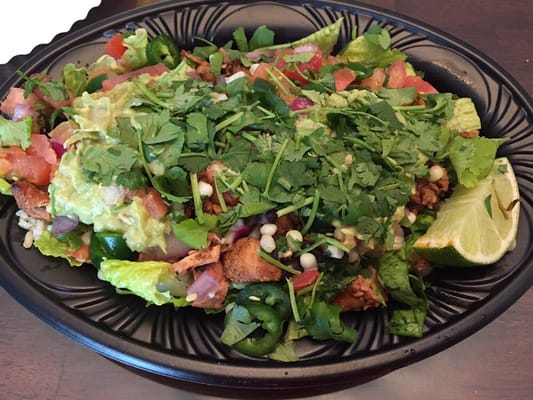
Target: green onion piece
{"x": 312, "y": 216}
{"x": 294, "y": 305}
{"x": 263, "y": 254}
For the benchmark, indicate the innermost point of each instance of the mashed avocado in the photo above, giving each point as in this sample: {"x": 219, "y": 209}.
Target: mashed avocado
{"x": 97, "y": 111}
{"x": 103, "y": 206}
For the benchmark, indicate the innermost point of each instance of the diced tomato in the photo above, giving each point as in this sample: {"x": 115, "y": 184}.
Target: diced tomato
{"x": 115, "y": 46}
{"x": 18, "y": 107}
{"x": 152, "y": 70}
{"x": 296, "y": 72}
{"x": 14, "y": 97}
{"x": 40, "y": 146}
{"x": 80, "y": 254}
{"x": 343, "y": 77}
{"x": 330, "y": 60}
{"x": 260, "y": 71}
{"x": 59, "y": 136}
{"x": 374, "y": 82}
{"x": 34, "y": 165}
{"x": 305, "y": 279}
{"x": 397, "y": 74}
{"x": 31, "y": 168}
{"x": 422, "y": 87}
{"x": 155, "y": 204}
{"x": 5, "y": 166}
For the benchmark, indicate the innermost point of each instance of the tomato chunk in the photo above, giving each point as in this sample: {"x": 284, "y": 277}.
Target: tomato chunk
{"x": 305, "y": 279}
{"x": 152, "y": 70}
{"x": 397, "y": 74}
{"x": 155, "y": 204}
{"x": 374, "y": 82}
{"x": 115, "y": 46}
{"x": 422, "y": 87}
{"x": 343, "y": 77}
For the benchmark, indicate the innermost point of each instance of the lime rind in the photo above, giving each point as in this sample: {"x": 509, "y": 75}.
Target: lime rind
{"x": 475, "y": 226}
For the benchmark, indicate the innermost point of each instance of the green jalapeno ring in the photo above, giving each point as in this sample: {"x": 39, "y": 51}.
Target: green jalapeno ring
{"x": 95, "y": 83}
{"x": 266, "y": 293}
{"x": 162, "y": 48}
{"x": 271, "y": 323}
{"x": 108, "y": 245}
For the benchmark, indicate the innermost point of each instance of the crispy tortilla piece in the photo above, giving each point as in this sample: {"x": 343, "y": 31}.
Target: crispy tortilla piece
{"x": 197, "y": 258}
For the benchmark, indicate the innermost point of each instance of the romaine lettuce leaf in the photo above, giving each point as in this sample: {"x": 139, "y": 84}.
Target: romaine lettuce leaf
{"x": 140, "y": 278}
{"x": 135, "y": 55}
{"x": 49, "y": 245}
{"x": 15, "y": 133}
{"x": 74, "y": 79}
{"x": 371, "y": 49}
{"x": 326, "y": 38}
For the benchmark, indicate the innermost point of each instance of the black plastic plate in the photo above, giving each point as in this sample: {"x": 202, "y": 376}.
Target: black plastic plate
{"x": 182, "y": 346}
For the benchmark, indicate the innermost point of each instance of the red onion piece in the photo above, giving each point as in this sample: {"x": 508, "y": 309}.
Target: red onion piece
{"x": 175, "y": 250}
{"x": 58, "y": 147}
{"x": 62, "y": 224}
{"x": 256, "y": 54}
{"x": 310, "y": 47}
{"x": 21, "y": 111}
{"x": 301, "y": 104}
{"x": 203, "y": 288}
{"x": 237, "y": 231}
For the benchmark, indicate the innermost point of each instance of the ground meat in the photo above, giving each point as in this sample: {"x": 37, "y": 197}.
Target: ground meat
{"x": 428, "y": 194}
{"x": 203, "y": 68}
{"x": 361, "y": 294}
{"x": 285, "y": 223}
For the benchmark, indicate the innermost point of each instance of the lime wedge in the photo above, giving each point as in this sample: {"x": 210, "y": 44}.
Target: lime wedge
{"x": 475, "y": 226}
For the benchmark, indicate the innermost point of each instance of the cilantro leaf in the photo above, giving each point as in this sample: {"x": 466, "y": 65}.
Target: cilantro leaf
{"x": 322, "y": 321}
{"x": 238, "y": 155}
{"x": 262, "y": 37}
{"x": 198, "y": 132}
{"x": 472, "y": 158}
{"x": 194, "y": 234}
{"x": 407, "y": 322}
{"x": 238, "y": 325}
{"x": 102, "y": 163}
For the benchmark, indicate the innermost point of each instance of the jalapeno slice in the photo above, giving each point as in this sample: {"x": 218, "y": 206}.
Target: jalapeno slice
{"x": 108, "y": 245}
{"x": 272, "y": 326}
{"x": 267, "y": 293}
{"x": 163, "y": 49}
{"x": 95, "y": 83}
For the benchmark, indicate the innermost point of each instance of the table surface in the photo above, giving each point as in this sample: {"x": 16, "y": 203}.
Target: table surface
{"x": 37, "y": 362}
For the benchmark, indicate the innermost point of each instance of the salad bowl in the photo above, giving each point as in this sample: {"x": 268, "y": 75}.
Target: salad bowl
{"x": 182, "y": 346}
